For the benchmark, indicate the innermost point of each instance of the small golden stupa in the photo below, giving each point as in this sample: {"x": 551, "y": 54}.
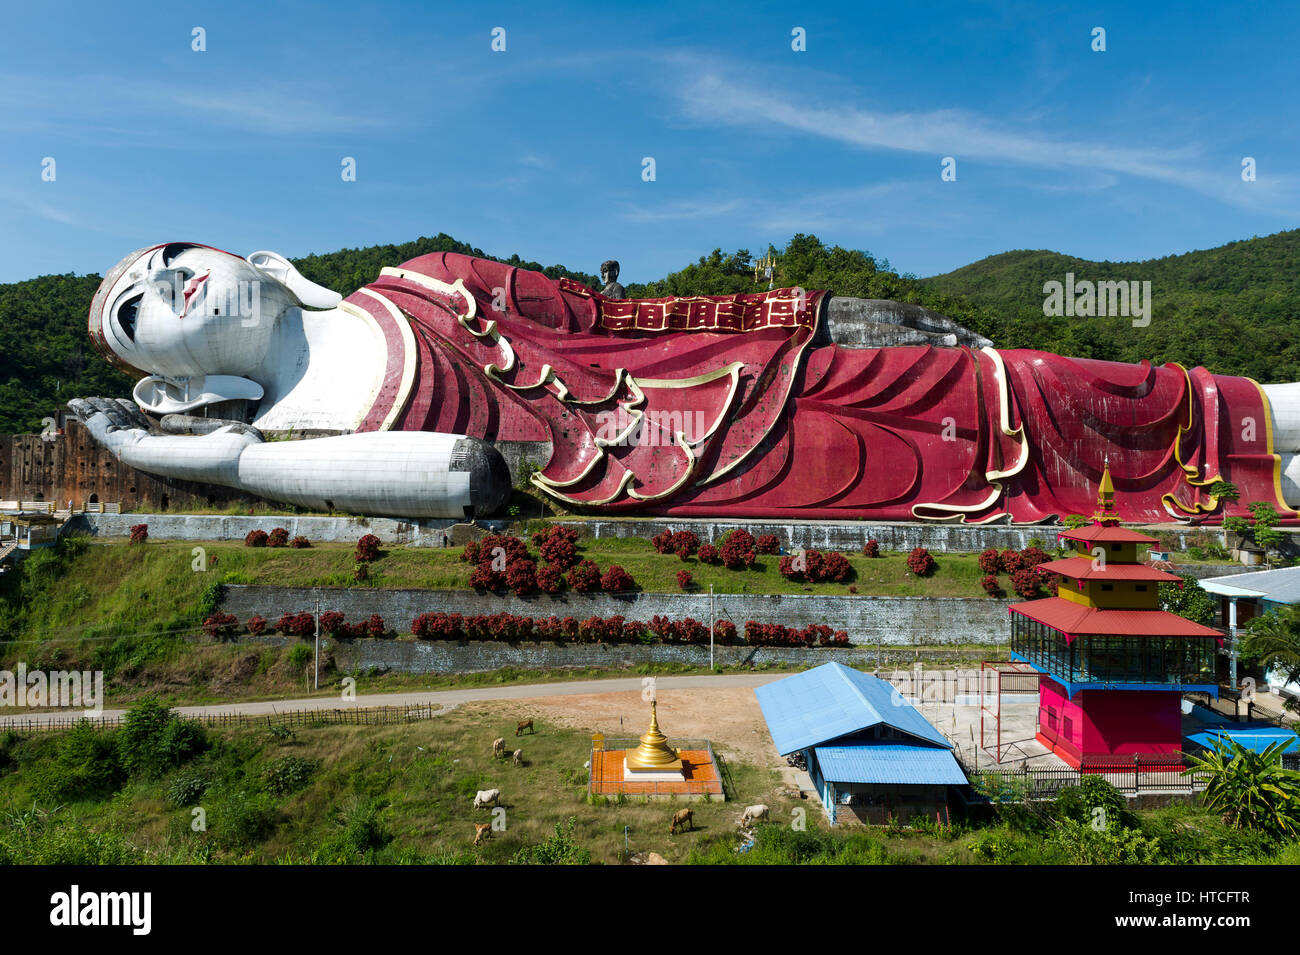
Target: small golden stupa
{"x": 654, "y": 755}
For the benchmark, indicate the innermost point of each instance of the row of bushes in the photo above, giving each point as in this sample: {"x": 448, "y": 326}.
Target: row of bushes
{"x": 510, "y": 627}
{"x": 616, "y": 629}
{"x": 502, "y": 561}
{"x": 279, "y": 537}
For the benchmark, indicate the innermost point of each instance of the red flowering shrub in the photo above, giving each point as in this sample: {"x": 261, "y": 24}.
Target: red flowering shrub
{"x": 361, "y": 572}
{"x": 684, "y": 579}
{"x": 724, "y": 631}
{"x": 367, "y": 549}
{"x": 521, "y": 577}
{"x": 437, "y": 626}
{"x": 483, "y": 577}
{"x": 767, "y": 544}
{"x": 708, "y": 554}
{"x": 1033, "y": 556}
{"x": 990, "y": 560}
{"x": 299, "y": 542}
{"x": 737, "y": 549}
{"x": 297, "y": 625}
{"x": 139, "y": 533}
{"x": 221, "y": 626}
{"x": 1025, "y": 582}
{"x": 684, "y": 544}
{"x": 991, "y": 585}
{"x": 256, "y": 624}
{"x": 330, "y": 622}
{"x": 616, "y": 580}
{"x": 663, "y": 541}
{"x": 836, "y": 567}
{"x": 255, "y": 539}
{"x": 871, "y": 548}
{"x": 920, "y": 562}
{"x": 559, "y": 546}
{"x": 550, "y": 579}
{"x": 817, "y": 566}
{"x": 585, "y": 577}
{"x": 279, "y": 537}
{"x": 1009, "y": 561}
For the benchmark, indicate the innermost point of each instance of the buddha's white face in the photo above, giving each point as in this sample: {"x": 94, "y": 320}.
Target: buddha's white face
{"x": 188, "y": 310}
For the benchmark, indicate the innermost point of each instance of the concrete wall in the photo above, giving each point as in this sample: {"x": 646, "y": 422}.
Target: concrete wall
{"x": 478, "y": 656}
{"x": 888, "y": 621}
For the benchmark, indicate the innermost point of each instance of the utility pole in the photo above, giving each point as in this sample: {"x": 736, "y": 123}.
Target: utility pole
{"x": 712, "y": 624}
{"x": 316, "y": 677}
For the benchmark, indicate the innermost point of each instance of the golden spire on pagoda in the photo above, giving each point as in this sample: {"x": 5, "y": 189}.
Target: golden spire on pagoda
{"x": 654, "y": 752}
{"x": 1106, "y": 498}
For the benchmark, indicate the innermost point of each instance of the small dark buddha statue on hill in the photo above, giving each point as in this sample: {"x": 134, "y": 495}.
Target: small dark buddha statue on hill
{"x": 609, "y": 275}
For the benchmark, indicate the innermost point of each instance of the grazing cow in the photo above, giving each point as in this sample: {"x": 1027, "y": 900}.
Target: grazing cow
{"x": 487, "y": 797}
{"x": 482, "y": 830}
{"x": 499, "y": 747}
{"x": 752, "y": 815}
{"x": 517, "y": 756}
{"x": 681, "y": 819}
{"x": 524, "y": 725}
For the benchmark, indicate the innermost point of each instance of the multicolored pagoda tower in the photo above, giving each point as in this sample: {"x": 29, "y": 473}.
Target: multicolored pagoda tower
{"x": 1114, "y": 665}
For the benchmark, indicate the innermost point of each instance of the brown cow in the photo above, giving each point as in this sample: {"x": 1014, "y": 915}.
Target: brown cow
{"x": 682, "y": 818}
{"x": 524, "y": 725}
{"x": 482, "y": 831}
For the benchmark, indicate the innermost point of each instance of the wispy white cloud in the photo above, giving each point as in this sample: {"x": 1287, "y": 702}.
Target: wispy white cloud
{"x": 717, "y": 97}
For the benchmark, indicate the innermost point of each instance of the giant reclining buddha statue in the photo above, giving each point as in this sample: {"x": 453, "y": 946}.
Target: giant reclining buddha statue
{"x": 394, "y": 401}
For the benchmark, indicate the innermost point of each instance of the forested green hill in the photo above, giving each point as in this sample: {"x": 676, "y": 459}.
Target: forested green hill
{"x": 1234, "y": 309}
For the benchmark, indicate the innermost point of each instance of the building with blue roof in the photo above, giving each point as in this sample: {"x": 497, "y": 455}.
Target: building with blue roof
{"x": 868, "y": 751}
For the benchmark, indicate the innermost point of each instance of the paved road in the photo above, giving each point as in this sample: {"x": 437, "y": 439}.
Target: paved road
{"x": 517, "y": 691}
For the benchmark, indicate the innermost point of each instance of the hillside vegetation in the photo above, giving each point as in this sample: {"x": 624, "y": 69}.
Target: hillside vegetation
{"x": 1234, "y": 309}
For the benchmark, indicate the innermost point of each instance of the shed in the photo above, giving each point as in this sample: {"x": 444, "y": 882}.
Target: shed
{"x": 867, "y": 749}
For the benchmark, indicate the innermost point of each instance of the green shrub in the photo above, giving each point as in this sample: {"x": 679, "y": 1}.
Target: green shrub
{"x": 362, "y": 833}
{"x": 559, "y": 849}
{"x": 153, "y": 739}
{"x": 300, "y": 654}
{"x": 85, "y": 765}
{"x": 186, "y": 790}
{"x": 239, "y": 819}
{"x": 288, "y": 774}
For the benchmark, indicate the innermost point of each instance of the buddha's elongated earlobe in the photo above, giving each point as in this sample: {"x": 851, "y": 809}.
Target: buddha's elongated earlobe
{"x": 308, "y": 293}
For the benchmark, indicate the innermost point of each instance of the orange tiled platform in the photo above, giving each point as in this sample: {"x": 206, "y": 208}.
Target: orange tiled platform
{"x": 700, "y": 771}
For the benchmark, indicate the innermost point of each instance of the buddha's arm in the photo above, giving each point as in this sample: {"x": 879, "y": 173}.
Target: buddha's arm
{"x": 408, "y": 474}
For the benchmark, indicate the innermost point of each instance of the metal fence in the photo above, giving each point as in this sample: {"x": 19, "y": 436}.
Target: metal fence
{"x": 1128, "y": 776}
{"x": 354, "y": 716}
{"x": 690, "y": 787}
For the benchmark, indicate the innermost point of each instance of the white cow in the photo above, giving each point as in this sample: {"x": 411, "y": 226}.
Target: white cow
{"x": 752, "y": 815}
{"x": 487, "y": 797}
{"x": 499, "y": 747}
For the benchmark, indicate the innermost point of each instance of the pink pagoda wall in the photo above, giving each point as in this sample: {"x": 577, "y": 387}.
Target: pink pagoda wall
{"x": 1108, "y": 722}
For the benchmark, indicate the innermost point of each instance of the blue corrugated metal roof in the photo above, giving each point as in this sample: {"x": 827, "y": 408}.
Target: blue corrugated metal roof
{"x": 832, "y": 700}
{"x": 1254, "y": 738}
{"x": 889, "y": 763}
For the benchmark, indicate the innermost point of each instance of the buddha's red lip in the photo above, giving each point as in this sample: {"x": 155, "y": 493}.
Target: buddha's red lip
{"x": 191, "y": 289}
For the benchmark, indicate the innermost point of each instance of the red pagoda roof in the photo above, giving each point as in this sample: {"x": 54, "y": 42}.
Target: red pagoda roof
{"x": 1075, "y": 620}
{"x": 1080, "y": 568}
{"x": 1106, "y": 532}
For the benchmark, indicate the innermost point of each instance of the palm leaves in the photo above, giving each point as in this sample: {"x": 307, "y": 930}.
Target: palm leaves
{"x": 1251, "y": 790}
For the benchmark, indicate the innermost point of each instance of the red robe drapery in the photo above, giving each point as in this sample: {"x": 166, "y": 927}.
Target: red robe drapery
{"x": 721, "y": 406}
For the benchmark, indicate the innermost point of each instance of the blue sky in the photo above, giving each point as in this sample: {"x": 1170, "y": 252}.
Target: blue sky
{"x": 1128, "y": 154}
